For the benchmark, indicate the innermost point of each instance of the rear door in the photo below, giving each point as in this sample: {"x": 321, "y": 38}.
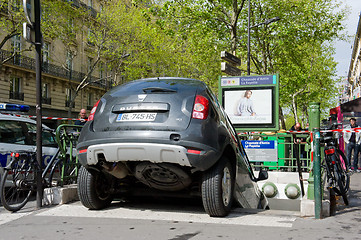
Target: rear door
{"x": 17, "y": 136}
{"x": 164, "y": 105}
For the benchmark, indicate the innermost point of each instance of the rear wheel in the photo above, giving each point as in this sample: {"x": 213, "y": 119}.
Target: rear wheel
{"x": 342, "y": 180}
{"x": 94, "y": 189}
{"x": 217, "y": 188}
{"x": 16, "y": 185}
{"x": 344, "y": 170}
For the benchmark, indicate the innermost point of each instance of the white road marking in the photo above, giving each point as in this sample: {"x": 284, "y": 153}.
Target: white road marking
{"x": 6, "y": 217}
{"x": 259, "y": 219}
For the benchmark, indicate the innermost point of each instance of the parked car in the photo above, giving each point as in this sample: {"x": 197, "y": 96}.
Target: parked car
{"x": 164, "y": 136}
{"x": 19, "y": 133}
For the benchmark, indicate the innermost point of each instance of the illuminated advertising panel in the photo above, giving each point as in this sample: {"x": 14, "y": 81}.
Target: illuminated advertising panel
{"x": 251, "y": 102}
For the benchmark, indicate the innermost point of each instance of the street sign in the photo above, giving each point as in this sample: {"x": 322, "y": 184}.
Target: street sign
{"x": 230, "y": 58}
{"x": 249, "y": 80}
{"x": 260, "y": 151}
{"x": 230, "y": 70}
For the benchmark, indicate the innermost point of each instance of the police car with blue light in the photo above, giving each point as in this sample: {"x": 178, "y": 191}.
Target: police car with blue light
{"x": 19, "y": 133}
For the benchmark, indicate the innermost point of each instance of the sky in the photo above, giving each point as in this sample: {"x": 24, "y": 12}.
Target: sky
{"x": 344, "y": 49}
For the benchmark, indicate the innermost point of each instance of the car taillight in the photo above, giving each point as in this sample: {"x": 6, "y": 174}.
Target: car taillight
{"x": 83, "y": 150}
{"x": 200, "y": 108}
{"x": 92, "y": 112}
{"x": 330, "y": 151}
{"x": 194, "y": 151}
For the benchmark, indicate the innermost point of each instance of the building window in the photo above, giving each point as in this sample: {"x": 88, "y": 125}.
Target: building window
{"x": 45, "y": 94}
{"x": 68, "y": 96}
{"x": 15, "y": 89}
{"x": 101, "y": 71}
{"x": 16, "y": 48}
{"x": 70, "y": 27}
{"x": 102, "y": 74}
{"x": 90, "y": 63}
{"x": 69, "y": 63}
{"x": 45, "y": 57}
{"x": 90, "y": 37}
{"x": 90, "y": 101}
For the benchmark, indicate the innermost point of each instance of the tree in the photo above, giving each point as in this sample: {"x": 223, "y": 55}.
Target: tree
{"x": 297, "y": 47}
{"x": 11, "y": 19}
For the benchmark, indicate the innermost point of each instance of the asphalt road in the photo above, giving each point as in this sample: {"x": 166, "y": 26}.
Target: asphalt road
{"x": 178, "y": 220}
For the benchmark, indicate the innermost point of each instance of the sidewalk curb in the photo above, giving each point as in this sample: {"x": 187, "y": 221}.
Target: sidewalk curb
{"x": 60, "y": 195}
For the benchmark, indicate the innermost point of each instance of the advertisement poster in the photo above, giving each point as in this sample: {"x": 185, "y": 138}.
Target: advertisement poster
{"x": 249, "y": 106}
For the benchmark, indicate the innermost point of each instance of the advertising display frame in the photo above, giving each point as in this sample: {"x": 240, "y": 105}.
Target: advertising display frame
{"x": 251, "y": 102}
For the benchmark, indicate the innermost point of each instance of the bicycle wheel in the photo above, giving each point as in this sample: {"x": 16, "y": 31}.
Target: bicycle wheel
{"x": 342, "y": 180}
{"x": 53, "y": 176}
{"x": 344, "y": 170}
{"x": 17, "y": 185}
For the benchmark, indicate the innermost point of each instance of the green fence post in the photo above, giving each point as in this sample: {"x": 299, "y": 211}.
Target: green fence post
{"x": 317, "y": 173}
{"x": 314, "y": 118}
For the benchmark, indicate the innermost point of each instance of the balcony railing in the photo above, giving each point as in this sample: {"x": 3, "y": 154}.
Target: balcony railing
{"x": 16, "y": 95}
{"x": 51, "y": 69}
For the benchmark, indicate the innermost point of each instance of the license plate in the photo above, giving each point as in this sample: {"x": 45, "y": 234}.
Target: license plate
{"x": 136, "y": 117}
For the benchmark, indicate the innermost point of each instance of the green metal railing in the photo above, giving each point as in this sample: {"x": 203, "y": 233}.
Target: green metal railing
{"x": 288, "y": 150}
{"x": 67, "y": 138}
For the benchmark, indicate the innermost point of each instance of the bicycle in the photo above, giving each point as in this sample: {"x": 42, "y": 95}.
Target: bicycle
{"x": 337, "y": 175}
{"x": 19, "y": 179}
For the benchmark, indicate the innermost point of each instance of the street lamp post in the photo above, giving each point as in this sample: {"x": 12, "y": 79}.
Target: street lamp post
{"x": 39, "y": 150}
{"x": 268, "y": 21}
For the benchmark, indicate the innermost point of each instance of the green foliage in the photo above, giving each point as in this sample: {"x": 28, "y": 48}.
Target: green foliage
{"x": 138, "y": 39}
{"x": 155, "y": 48}
{"x": 11, "y": 19}
{"x": 297, "y": 47}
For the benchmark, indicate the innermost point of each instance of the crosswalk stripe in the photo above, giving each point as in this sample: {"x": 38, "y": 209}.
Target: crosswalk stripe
{"x": 6, "y": 217}
{"x": 235, "y": 218}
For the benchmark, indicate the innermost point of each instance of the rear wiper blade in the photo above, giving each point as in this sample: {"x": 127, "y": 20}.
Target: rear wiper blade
{"x": 158, "y": 89}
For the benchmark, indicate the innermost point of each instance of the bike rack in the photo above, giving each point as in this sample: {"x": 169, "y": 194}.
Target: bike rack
{"x": 67, "y": 137}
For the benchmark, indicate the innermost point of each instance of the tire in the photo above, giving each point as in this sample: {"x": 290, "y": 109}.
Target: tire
{"x": 68, "y": 171}
{"x": 342, "y": 180}
{"x": 345, "y": 171}
{"x": 17, "y": 185}
{"x": 54, "y": 176}
{"x": 217, "y": 188}
{"x": 93, "y": 189}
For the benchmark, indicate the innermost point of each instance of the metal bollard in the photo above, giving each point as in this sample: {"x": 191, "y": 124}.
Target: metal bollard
{"x": 317, "y": 174}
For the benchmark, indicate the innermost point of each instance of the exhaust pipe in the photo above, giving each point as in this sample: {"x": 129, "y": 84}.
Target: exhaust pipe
{"x": 118, "y": 169}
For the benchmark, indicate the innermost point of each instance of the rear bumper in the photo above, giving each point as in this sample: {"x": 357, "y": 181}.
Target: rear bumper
{"x": 153, "y": 152}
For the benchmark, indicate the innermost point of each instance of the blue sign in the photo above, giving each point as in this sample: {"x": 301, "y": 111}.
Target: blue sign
{"x": 259, "y": 144}
{"x": 261, "y": 151}
{"x": 249, "y": 80}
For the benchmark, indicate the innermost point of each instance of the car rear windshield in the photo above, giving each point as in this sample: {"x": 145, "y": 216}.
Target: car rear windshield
{"x": 156, "y": 86}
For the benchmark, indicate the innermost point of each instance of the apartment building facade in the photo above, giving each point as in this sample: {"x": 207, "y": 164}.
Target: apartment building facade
{"x": 61, "y": 73}
{"x": 352, "y": 89}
